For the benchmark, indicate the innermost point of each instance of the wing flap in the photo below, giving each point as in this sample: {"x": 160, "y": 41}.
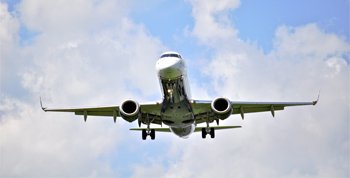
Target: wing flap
{"x": 257, "y": 108}
{"x": 96, "y": 111}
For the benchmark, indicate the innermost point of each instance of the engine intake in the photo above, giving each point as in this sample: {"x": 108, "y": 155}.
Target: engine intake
{"x": 221, "y": 107}
{"x": 129, "y": 110}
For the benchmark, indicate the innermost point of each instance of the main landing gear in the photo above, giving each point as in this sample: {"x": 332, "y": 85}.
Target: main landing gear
{"x": 150, "y": 132}
{"x": 210, "y": 131}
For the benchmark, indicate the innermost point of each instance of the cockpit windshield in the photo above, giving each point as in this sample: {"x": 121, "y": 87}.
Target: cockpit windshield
{"x": 171, "y": 55}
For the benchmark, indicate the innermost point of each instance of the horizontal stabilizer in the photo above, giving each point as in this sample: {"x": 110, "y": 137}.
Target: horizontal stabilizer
{"x": 199, "y": 129}
{"x": 156, "y": 129}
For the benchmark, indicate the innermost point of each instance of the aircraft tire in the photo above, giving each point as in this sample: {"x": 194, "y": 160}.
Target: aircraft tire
{"x": 212, "y": 132}
{"x": 144, "y": 134}
{"x": 204, "y": 133}
{"x": 153, "y": 134}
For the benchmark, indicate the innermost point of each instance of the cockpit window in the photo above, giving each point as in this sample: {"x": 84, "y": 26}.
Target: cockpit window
{"x": 171, "y": 55}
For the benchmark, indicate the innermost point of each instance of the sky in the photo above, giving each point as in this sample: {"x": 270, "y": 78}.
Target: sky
{"x": 86, "y": 53}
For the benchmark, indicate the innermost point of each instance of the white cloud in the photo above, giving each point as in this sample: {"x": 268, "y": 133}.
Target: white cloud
{"x": 211, "y": 20}
{"x": 101, "y": 57}
{"x": 86, "y": 53}
{"x": 70, "y": 17}
{"x": 8, "y": 45}
{"x": 33, "y": 144}
{"x": 9, "y": 30}
{"x": 308, "y": 40}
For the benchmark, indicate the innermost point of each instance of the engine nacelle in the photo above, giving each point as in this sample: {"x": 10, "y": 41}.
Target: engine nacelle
{"x": 221, "y": 107}
{"x": 129, "y": 110}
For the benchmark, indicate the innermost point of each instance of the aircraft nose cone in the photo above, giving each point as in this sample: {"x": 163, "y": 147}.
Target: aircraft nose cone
{"x": 166, "y": 63}
{"x": 170, "y": 67}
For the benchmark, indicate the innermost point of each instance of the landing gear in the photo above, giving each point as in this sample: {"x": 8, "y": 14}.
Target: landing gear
{"x": 210, "y": 131}
{"x": 150, "y": 132}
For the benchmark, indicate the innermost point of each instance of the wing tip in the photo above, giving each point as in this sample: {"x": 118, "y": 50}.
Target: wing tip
{"x": 318, "y": 98}
{"x": 41, "y": 105}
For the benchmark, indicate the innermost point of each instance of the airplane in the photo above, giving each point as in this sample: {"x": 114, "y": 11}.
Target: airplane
{"x": 177, "y": 109}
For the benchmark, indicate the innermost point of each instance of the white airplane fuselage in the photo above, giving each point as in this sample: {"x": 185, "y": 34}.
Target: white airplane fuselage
{"x": 176, "y": 109}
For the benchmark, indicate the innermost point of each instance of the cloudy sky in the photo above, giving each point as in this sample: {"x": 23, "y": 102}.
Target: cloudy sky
{"x": 98, "y": 53}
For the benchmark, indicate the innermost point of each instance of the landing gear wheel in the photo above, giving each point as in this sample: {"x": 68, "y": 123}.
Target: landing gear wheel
{"x": 153, "y": 134}
{"x": 212, "y": 133}
{"x": 144, "y": 134}
{"x": 204, "y": 133}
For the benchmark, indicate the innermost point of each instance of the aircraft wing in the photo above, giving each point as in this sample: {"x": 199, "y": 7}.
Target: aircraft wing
{"x": 95, "y": 111}
{"x": 250, "y": 107}
{"x": 147, "y": 110}
{"x": 203, "y": 112}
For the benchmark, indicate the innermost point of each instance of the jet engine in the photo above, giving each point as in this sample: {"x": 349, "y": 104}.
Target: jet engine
{"x": 221, "y": 107}
{"x": 129, "y": 110}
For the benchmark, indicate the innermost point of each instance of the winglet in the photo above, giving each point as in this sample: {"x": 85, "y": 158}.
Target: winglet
{"x": 41, "y": 104}
{"x": 318, "y": 97}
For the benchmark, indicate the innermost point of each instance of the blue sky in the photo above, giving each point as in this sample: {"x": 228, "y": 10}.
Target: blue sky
{"x": 92, "y": 53}
{"x": 332, "y": 16}
{"x": 256, "y": 20}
